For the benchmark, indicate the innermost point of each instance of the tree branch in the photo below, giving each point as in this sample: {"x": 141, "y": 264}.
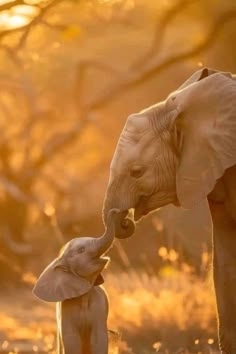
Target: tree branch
{"x": 160, "y": 30}
{"x": 15, "y": 192}
{"x": 36, "y": 20}
{"x": 209, "y": 40}
{"x": 60, "y": 140}
{"x": 143, "y": 74}
{"x": 27, "y": 28}
{"x": 10, "y": 5}
{"x": 54, "y": 26}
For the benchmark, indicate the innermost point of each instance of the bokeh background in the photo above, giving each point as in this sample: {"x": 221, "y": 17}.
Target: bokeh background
{"x": 70, "y": 73}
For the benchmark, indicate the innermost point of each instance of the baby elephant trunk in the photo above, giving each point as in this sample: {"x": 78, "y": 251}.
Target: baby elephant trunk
{"x": 103, "y": 243}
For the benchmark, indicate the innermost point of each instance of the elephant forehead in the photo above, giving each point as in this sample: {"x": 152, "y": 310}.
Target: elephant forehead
{"x": 79, "y": 242}
{"x": 137, "y": 123}
{"x": 131, "y": 152}
{"x": 141, "y": 122}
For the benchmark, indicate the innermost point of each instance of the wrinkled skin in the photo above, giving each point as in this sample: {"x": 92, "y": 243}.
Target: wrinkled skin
{"x": 182, "y": 151}
{"x": 133, "y": 175}
{"x": 72, "y": 280}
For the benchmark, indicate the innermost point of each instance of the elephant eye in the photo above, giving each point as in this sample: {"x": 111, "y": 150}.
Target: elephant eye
{"x": 81, "y": 249}
{"x": 137, "y": 171}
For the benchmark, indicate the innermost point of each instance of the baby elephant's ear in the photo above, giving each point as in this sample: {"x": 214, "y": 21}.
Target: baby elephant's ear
{"x": 58, "y": 284}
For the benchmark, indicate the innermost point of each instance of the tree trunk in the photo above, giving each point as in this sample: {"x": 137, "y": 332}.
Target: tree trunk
{"x": 14, "y": 217}
{"x": 13, "y": 220}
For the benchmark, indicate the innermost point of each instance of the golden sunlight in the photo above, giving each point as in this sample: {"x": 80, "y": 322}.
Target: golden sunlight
{"x": 18, "y": 16}
{"x": 5, "y": 2}
{"x": 25, "y": 10}
{"x": 109, "y": 1}
{"x": 8, "y": 21}
{"x": 33, "y": 2}
{"x": 49, "y": 209}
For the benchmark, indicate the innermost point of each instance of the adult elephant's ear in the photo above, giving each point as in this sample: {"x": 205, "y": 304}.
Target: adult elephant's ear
{"x": 201, "y": 74}
{"x": 56, "y": 283}
{"x": 205, "y": 118}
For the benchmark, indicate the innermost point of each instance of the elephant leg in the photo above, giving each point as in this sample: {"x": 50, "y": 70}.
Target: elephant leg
{"x": 99, "y": 340}
{"x": 71, "y": 344}
{"x": 224, "y": 268}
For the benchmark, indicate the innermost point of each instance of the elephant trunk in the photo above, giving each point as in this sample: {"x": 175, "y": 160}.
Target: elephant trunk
{"x": 124, "y": 227}
{"x": 103, "y": 243}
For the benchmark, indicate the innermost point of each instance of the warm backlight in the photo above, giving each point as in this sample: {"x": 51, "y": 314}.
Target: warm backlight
{"x": 17, "y": 16}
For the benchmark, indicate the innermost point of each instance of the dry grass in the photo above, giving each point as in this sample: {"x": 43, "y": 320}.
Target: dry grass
{"x": 169, "y": 312}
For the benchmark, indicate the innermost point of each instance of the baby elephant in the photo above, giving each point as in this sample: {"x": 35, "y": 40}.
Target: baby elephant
{"x": 72, "y": 280}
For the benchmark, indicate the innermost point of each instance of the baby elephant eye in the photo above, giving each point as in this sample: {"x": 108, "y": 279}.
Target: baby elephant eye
{"x": 81, "y": 249}
{"x": 137, "y": 171}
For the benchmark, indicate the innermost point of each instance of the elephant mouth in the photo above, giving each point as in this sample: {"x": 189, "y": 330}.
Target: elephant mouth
{"x": 147, "y": 204}
{"x": 103, "y": 257}
{"x": 141, "y": 209}
{"x": 135, "y": 213}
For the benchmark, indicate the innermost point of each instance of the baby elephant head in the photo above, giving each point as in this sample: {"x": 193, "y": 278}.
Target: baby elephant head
{"x": 78, "y": 268}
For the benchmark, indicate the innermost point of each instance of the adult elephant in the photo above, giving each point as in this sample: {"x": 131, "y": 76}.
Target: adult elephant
{"x": 181, "y": 151}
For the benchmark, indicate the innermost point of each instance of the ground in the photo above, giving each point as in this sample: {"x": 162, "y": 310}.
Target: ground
{"x": 169, "y": 312}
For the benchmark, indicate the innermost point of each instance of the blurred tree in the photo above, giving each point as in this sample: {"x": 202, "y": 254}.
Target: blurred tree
{"x": 64, "y": 64}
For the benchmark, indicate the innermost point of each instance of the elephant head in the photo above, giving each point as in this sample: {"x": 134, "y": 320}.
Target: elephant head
{"x": 78, "y": 267}
{"x": 175, "y": 151}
